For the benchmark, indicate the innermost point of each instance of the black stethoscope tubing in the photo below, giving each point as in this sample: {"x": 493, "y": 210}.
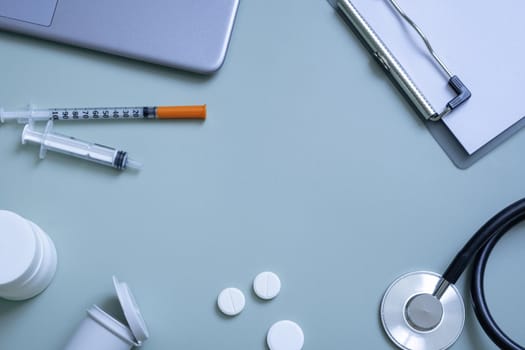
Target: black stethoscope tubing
{"x": 478, "y": 250}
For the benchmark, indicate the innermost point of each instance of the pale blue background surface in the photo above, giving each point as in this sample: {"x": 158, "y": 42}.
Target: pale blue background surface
{"x": 310, "y": 164}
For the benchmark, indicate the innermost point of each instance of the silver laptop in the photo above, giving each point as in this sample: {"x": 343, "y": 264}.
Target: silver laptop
{"x": 187, "y": 34}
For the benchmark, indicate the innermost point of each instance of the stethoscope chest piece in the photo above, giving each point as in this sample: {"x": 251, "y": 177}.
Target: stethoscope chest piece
{"x": 415, "y": 319}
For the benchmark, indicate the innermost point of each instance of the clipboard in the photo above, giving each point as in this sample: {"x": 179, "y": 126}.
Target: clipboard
{"x": 455, "y": 151}
{"x": 467, "y": 134}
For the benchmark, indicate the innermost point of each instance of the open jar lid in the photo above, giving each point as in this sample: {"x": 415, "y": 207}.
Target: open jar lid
{"x": 131, "y": 311}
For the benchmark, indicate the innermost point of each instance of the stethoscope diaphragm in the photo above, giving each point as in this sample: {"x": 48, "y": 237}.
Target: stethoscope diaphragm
{"x": 414, "y": 319}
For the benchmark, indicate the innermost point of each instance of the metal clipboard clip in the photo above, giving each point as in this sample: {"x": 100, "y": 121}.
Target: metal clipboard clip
{"x": 392, "y": 66}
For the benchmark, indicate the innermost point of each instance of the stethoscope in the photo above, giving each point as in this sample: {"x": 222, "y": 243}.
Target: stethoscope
{"x": 424, "y": 311}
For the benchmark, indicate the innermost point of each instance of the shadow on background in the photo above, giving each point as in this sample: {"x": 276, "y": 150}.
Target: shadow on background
{"x": 7, "y": 307}
{"x": 110, "y": 59}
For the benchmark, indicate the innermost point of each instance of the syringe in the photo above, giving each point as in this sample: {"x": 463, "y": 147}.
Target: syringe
{"x": 105, "y": 113}
{"x": 77, "y": 148}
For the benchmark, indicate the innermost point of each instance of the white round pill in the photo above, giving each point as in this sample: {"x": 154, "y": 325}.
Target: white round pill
{"x": 267, "y": 285}
{"x": 231, "y": 301}
{"x": 285, "y": 335}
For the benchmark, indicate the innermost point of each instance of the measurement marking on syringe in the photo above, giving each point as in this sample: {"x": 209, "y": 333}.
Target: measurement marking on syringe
{"x": 99, "y": 113}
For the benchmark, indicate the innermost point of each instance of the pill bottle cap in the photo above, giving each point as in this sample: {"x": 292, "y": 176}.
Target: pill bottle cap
{"x": 18, "y": 249}
{"x": 131, "y": 311}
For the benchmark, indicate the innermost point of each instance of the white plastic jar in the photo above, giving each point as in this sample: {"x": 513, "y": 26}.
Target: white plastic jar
{"x": 28, "y": 258}
{"x": 100, "y": 331}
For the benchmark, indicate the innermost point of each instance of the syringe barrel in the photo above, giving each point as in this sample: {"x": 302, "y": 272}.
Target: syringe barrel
{"x": 77, "y": 148}
{"x": 81, "y": 149}
{"x": 102, "y": 113}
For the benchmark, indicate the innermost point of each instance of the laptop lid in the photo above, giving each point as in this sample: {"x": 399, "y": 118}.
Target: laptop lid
{"x": 187, "y": 34}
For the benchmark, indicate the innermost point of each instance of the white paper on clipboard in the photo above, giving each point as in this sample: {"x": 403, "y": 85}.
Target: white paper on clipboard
{"x": 480, "y": 42}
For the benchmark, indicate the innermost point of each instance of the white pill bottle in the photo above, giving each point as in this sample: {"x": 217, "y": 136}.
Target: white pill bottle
{"x": 28, "y": 258}
{"x": 101, "y": 331}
